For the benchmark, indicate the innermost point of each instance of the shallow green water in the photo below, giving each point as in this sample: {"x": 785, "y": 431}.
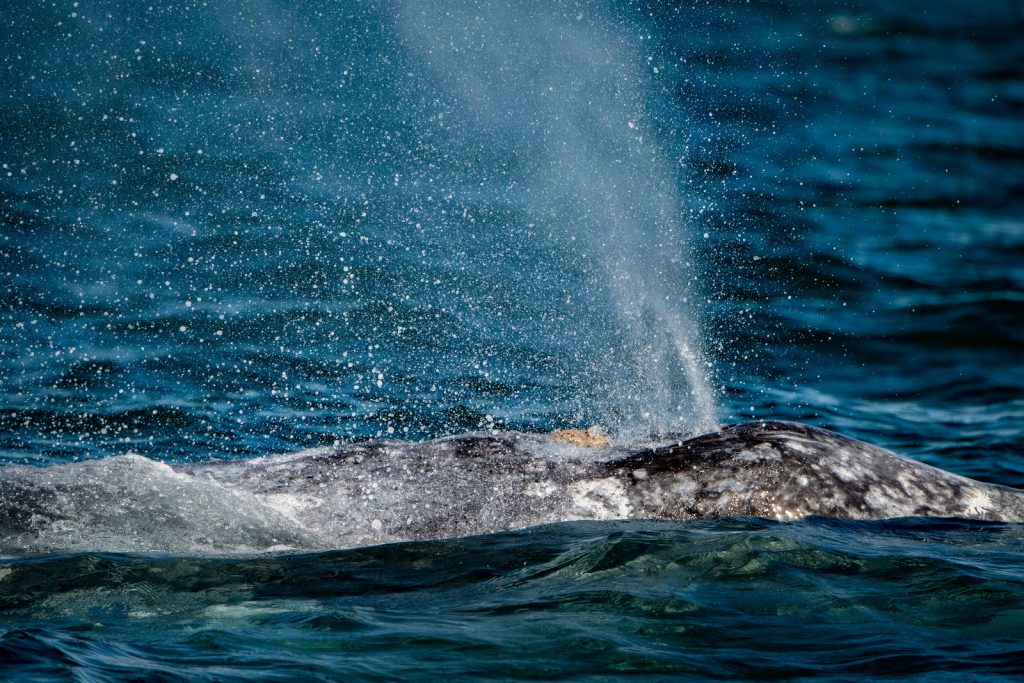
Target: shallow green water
{"x": 740, "y": 598}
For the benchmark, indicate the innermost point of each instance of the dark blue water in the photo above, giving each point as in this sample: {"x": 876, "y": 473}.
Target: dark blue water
{"x": 234, "y": 229}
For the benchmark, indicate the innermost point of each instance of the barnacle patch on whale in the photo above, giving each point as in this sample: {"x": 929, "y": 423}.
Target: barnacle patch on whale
{"x": 588, "y": 438}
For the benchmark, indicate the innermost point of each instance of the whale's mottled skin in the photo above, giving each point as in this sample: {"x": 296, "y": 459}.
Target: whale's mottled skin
{"x": 384, "y": 491}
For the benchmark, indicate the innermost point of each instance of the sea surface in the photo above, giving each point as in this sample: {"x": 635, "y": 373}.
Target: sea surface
{"x": 232, "y": 229}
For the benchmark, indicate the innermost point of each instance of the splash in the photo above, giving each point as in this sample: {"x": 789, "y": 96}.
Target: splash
{"x": 567, "y": 94}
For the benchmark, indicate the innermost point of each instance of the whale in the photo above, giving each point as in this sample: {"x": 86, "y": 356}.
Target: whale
{"x": 384, "y": 491}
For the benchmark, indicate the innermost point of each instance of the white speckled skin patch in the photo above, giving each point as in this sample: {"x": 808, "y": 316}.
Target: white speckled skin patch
{"x": 600, "y": 499}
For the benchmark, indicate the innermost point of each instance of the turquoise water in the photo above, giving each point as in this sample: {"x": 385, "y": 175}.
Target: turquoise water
{"x": 241, "y": 229}
{"x": 740, "y": 598}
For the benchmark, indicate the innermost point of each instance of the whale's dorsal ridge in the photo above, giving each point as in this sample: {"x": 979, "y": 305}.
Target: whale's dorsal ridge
{"x": 381, "y": 491}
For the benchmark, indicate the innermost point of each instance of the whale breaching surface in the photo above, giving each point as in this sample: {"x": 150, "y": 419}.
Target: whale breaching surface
{"x": 385, "y": 491}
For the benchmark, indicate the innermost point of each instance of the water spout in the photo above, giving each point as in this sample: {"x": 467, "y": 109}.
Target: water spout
{"x": 569, "y": 93}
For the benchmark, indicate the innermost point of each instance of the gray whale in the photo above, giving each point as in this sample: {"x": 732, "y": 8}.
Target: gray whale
{"x": 386, "y": 491}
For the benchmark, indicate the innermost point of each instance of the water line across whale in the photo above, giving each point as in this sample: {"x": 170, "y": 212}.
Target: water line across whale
{"x": 385, "y": 491}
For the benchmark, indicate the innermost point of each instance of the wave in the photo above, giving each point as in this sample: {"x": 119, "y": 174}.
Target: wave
{"x": 740, "y": 598}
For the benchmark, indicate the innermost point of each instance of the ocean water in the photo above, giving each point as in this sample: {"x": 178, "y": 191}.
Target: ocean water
{"x": 237, "y": 229}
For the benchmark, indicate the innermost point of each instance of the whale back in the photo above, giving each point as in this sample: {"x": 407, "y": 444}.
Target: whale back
{"x": 384, "y": 491}
{"x": 784, "y": 471}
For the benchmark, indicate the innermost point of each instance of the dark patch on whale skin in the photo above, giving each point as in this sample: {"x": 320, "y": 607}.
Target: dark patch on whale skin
{"x": 384, "y": 491}
{"x": 22, "y": 501}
